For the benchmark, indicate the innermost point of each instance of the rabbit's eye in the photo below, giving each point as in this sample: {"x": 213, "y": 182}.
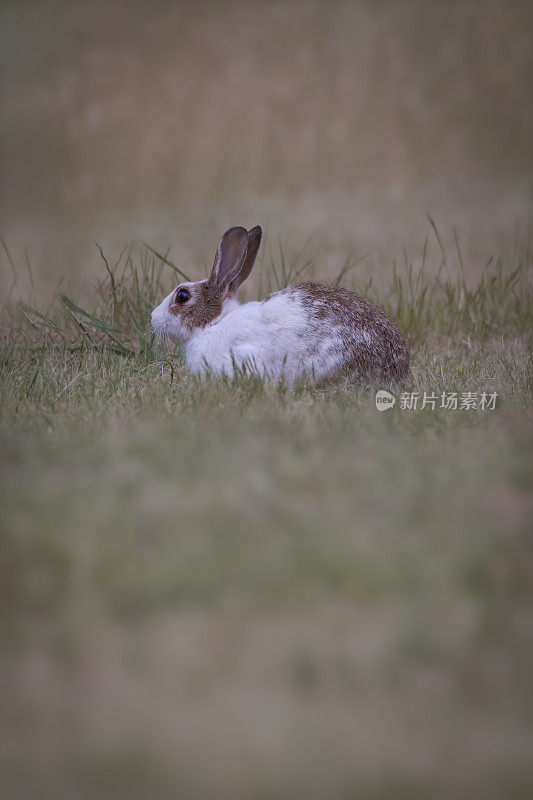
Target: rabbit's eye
{"x": 182, "y": 296}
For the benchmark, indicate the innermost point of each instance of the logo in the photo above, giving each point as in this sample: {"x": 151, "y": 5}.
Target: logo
{"x": 384, "y": 400}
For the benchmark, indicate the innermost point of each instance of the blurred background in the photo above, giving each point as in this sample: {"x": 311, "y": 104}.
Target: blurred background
{"x": 169, "y": 120}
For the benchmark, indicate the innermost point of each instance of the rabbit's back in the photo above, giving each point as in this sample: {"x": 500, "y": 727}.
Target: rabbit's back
{"x": 350, "y": 335}
{"x": 307, "y": 331}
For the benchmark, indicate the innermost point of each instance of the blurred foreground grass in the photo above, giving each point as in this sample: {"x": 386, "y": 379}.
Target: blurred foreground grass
{"x": 231, "y": 589}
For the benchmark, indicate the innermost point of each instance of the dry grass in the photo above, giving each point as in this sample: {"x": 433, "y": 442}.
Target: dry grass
{"x": 304, "y": 594}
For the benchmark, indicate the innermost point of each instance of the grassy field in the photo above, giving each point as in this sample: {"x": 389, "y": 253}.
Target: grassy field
{"x": 228, "y": 589}
{"x": 231, "y": 589}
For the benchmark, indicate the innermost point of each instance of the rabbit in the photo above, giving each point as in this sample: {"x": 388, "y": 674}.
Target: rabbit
{"x": 307, "y": 332}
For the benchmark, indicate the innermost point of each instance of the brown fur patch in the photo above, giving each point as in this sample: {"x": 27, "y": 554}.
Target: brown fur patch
{"x": 373, "y": 345}
{"x": 204, "y": 305}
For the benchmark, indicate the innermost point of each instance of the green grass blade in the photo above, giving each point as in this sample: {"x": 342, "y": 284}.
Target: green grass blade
{"x": 167, "y": 261}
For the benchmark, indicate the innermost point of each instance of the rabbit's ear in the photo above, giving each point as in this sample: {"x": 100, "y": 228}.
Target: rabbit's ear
{"x": 230, "y": 257}
{"x": 254, "y": 240}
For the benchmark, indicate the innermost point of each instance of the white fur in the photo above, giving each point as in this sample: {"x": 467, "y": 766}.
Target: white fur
{"x": 272, "y": 338}
{"x": 265, "y": 338}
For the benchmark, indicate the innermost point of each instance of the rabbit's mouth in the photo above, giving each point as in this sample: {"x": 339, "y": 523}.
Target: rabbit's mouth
{"x": 158, "y": 321}
{"x": 167, "y": 325}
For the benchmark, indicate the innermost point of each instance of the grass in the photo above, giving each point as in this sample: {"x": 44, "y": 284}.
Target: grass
{"x": 193, "y": 572}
